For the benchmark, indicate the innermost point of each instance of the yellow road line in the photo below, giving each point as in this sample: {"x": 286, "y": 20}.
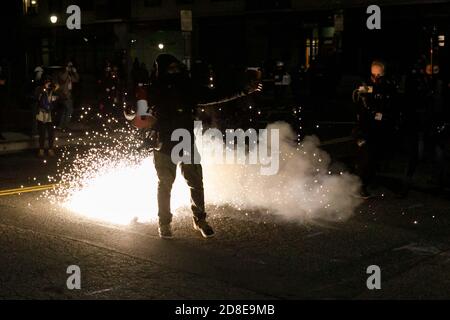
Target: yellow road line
{"x": 10, "y": 192}
{"x": 26, "y": 188}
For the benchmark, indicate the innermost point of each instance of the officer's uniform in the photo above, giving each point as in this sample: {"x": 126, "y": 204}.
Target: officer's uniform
{"x": 424, "y": 116}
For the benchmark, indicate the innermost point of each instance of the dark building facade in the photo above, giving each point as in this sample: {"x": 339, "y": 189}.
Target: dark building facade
{"x": 240, "y": 32}
{"x": 225, "y": 33}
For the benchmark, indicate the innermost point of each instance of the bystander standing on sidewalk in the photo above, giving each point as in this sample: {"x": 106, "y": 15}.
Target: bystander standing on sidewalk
{"x": 46, "y": 98}
{"x": 67, "y": 78}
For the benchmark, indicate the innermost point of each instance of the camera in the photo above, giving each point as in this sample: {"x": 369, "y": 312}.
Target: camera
{"x": 365, "y": 89}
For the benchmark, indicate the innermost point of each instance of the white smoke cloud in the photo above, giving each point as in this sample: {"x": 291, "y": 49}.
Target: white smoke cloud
{"x": 117, "y": 185}
{"x": 304, "y": 188}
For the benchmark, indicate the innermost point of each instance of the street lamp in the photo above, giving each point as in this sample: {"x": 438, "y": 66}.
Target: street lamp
{"x": 53, "y": 20}
{"x": 161, "y": 46}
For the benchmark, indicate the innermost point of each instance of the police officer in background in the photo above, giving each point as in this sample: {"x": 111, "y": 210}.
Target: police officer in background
{"x": 282, "y": 81}
{"x": 424, "y": 121}
{"x": 376, "y": 118}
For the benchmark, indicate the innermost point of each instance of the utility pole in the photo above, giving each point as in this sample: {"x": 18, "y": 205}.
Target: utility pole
{"x": 186, "y": 29}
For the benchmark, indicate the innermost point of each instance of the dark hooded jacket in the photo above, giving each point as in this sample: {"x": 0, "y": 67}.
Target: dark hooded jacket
{"x": 379, "y": 101}
{"x": 174, "y": 100}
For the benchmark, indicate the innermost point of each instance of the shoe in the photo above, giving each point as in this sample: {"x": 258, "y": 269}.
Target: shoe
{"x": 204, "y": 228}
{"x": 51, "y": 153}
{"x": 165, "y": 231}
{"x": 41, "y": 153}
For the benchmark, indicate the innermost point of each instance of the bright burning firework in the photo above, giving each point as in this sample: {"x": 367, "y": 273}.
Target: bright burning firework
{"x": 121, "y": 192}
{"x": 109, "y": 180}
{"x": 113, "y": 182}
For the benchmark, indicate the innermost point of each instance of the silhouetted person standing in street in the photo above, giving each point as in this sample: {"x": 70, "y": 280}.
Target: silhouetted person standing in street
{"x": 172, "y": 94}
{"x": 67, "y": 78}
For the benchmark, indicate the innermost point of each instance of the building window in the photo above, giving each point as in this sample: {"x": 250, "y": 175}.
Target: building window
{"x": 152, "y": 3}
{"x": 30, "y": 7}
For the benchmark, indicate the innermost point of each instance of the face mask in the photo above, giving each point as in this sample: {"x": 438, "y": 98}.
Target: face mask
{"x": 173, "y": 77}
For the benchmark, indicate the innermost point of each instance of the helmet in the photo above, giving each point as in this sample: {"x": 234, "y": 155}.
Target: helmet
{"x": 161, "y": 65}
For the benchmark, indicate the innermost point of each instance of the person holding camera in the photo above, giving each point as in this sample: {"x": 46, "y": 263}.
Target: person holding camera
{"x": 45, "y": 98}
{"x": 66, "y": 80}
{"x": 375, "y": 123}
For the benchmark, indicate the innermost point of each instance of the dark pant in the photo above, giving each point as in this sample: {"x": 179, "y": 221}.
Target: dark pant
{"x": 368, "y": 159}
{"x": 44, "y": 128}
{"x": 376, "y": 152}
{"x": 66, "y": 113}
{"x": 414, "y": 149}
{"x": 166, "y": 171}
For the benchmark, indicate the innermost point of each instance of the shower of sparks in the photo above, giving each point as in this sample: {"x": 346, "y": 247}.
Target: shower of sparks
{"x": 103, "y": 176}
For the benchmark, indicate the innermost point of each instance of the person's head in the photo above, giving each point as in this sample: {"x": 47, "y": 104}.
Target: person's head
{"x": 279, "y": 65}
{"x": 69, "y": 66}
{"x": 173, "y": 68}
{"x": 47, "y": 83}
{"x": 377, "y": 69}
{"x": 166, "y": 67}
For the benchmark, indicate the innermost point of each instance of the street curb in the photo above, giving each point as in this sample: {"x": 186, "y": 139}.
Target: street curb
{"x": 8, "y": 147}
{"x": 17, "y": 146}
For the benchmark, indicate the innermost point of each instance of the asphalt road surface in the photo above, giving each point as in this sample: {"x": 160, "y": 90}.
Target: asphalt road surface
{"x": 253, "y": 256}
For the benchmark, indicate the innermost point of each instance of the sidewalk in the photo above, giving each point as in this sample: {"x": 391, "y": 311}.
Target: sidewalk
{"x": 17, "y": 142}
